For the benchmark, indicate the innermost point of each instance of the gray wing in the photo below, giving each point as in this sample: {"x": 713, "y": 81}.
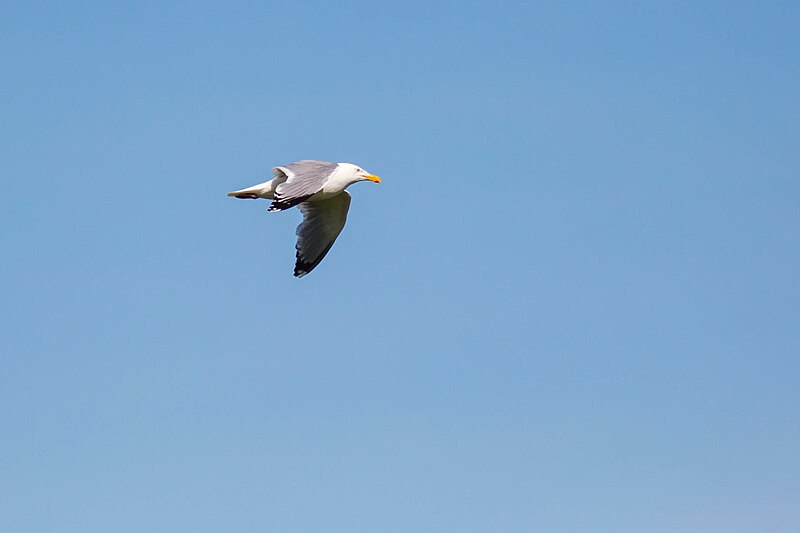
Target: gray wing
{"x": 323, "y": 220}
{"x": 303, "y": 180}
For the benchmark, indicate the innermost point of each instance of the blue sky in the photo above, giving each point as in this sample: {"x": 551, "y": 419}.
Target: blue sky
{"x": 572, "y": 305}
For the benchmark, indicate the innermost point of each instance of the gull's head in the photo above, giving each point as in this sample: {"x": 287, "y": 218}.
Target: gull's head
{"x": 356, "y": 173}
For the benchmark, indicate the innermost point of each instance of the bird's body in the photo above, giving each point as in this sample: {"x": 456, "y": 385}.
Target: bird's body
{"x": 318, "y": 189}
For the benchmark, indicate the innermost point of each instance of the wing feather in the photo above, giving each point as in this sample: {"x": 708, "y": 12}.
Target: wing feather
{"x": 303, "y": 180}
{"x": 323, "y": 221}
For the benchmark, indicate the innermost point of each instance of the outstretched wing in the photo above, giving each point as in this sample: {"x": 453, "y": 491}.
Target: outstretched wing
{"x": 303, "y": 180}
{"x": 323, "y": 220}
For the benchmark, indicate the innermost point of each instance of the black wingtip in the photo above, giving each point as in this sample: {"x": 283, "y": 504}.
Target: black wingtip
{"x": 301, "y": 268}
{"x": 279, "y": 204}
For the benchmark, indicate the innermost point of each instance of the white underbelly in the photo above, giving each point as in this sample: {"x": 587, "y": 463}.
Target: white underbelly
{"x": 333, "y": 187}
{"x": 325, "y": 195}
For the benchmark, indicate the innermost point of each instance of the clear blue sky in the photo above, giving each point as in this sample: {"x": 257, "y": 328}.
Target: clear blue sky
{"x": 572, "y": 305}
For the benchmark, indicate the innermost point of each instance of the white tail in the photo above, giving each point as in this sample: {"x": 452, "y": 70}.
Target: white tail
{"x": 262, "y": 190}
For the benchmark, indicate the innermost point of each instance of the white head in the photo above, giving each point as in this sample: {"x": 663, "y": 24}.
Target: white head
{"x": 354, "y": 173}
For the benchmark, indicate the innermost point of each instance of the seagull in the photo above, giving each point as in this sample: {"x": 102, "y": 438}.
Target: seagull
{"x": 317, "y": 188}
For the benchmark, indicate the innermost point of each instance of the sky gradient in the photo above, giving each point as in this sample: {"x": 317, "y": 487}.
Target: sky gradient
{"x": 573, "y": 304}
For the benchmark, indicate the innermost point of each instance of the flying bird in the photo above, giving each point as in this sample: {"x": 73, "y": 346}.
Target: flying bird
{"x": 317, "y": 188}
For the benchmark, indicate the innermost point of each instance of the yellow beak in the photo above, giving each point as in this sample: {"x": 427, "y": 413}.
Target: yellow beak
{"x": 372, "y": 177}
